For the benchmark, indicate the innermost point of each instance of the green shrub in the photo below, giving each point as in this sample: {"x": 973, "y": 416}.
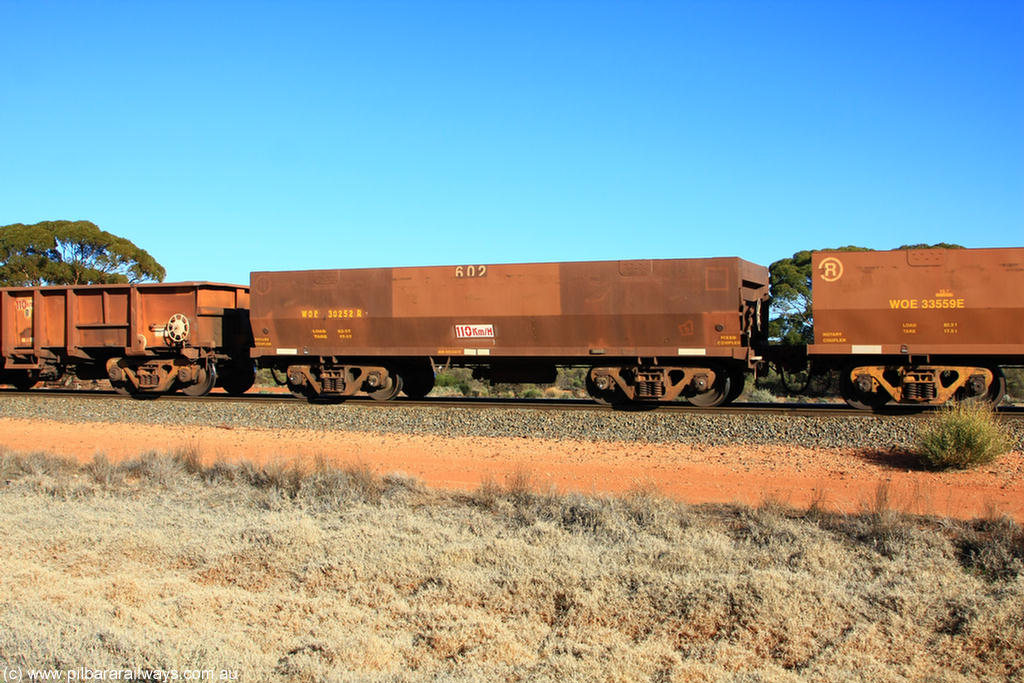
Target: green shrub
{"x": 758, "y": 395}
{"x": 1014, "y": 384}
{"x": 960, "y": 436}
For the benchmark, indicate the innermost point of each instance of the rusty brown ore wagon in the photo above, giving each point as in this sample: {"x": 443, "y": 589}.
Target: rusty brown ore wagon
{"x": 147, "y": 339}
{"x": 918, "y": 326}
{"x": 646, "y": 330}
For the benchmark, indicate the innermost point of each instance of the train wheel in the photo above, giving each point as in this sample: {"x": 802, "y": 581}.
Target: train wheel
{"x": 856, "y": 398}
{"x": 238, "y": 379}
{"x": 417, "y": 382}
{"x": 205, "y": 381}
{"x": 996, "y": 390}
{"x": 717, "y": 394}
{"x": 23, "y": 381}
{"x": 126, "y": 389}
{"x": 610, "y": 396}
{"x": 390, "y": 389}
{"x": 737, "y": 383}
{"x": 303, "y": 391}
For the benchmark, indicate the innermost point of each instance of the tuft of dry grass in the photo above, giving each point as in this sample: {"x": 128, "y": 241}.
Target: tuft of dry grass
{"x": 190, "y": 458}
{"x": 993, "y": 547}
{"x": 316, "y": 573}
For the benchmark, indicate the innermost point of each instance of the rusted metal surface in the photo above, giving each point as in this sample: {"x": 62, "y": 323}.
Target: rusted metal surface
{"x": 153, "y": 336}
{"x": 517, "y": 319}
{"x": 662, "y": 308}
{"x": 946, "y": 302}
{"x": 919, "y": 326}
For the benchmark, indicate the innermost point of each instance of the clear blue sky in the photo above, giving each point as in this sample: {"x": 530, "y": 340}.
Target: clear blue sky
{"x": 225, "y": 137}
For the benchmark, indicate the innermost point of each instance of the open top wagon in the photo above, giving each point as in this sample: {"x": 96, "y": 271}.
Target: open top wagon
{"x": 147, "y": 339}
{"x": 918, "y": 326}
{"x": 646, "y": 330}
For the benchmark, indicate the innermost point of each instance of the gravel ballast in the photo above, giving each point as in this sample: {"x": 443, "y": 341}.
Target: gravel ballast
{"x": 856, "y": 431}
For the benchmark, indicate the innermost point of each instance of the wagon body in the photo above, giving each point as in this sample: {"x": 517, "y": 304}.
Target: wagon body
{"x": 564, "y": 310}
{"x": 919, "y": 326}
{"x": 513, "y": 317}
{"x": 919, "y": 302}
{"x": 46, "y": 330}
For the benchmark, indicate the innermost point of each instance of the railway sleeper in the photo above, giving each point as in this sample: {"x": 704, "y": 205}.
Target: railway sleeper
{"x": 922, "y": 384}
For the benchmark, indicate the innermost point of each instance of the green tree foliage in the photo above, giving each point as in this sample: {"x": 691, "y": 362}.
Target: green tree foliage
{"x": 940, "y": 245}
{"x": 790, "y": 316}
{"x": 790, "y": 313}
{"x": 71, "y": 253}
{"x": 791, "y": 321}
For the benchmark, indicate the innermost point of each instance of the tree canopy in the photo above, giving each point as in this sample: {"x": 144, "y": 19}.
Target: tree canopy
{"x": 71, "y": 253}
{"x": 790, "y": 318}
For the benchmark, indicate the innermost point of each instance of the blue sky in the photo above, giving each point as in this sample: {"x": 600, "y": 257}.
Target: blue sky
{"x": 225, "y": 137}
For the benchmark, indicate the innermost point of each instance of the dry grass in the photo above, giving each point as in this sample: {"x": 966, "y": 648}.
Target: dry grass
{"x": 318, "y": 574}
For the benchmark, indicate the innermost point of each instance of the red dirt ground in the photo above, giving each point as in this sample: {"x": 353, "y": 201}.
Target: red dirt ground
{"x": 843, "y": 480}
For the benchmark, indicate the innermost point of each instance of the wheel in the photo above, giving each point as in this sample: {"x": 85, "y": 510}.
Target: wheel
{"x": 417, "y": 383}
{"x": 737, "y": 383}
{"x": 205, "y": 381}
{"x": 390, "y": 389}
{"x": 855, "y": 398}
{"x": 126, "y": 389}
{"x": 606, "y": 397}
{"x": 996, "y": 390}
{"x": 717, "y": 394}
{"x": 23, "y": 381}
{"x": 238, "y": 379}
{"x": 300, "y": 392}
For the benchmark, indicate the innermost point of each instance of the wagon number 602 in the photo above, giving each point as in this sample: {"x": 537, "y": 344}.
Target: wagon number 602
{"x": 470, "y": 271}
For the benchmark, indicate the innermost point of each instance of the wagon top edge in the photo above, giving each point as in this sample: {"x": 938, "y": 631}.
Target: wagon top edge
{"x": 518, "y": 264}
{"x": 994, "y": 251}
{"x": 191, "y": 284}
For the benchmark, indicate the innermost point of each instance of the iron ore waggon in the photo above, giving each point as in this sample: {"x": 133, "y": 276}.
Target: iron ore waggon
{"x": 918, "y": 326}
{"x": 646, "y": 330}
{"x": 147, "y": 339}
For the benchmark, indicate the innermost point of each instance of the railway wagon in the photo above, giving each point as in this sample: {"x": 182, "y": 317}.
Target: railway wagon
{"x": 147, "y": 339}
{"x": 919, "y": 326}
{"x": 646, "y": 330}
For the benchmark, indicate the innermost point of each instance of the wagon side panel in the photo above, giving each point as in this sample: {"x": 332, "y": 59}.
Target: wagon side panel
{"x": 568, "y": 310}
{"x": 919, "y": 302}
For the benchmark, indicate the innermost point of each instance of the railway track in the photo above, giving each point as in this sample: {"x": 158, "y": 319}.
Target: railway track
{"x": 749, "y": 409}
